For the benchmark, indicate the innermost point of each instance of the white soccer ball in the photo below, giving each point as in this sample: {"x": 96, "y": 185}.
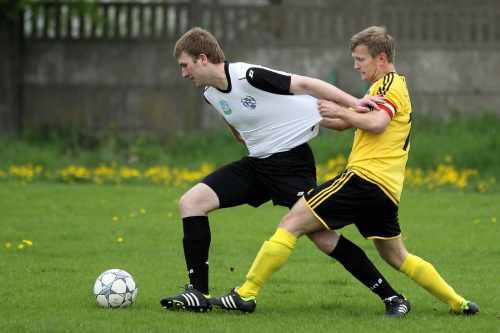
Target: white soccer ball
{"x": 115, "y": 288}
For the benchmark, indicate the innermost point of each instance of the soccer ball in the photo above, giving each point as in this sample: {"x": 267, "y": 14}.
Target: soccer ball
{"x": 115, "y": 288}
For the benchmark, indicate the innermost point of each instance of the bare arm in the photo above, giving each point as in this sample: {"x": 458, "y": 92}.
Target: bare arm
{"x": 334, "y": 123}
{"x": 301, "y": 85}
{"x": 373, "y": 122}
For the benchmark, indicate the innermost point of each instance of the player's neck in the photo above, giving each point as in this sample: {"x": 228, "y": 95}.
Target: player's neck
{"x": 219, "y": 80}
{"x": 383, "y": 71}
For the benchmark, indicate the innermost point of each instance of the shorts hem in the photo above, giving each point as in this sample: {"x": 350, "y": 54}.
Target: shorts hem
{"x": 384, "y": 238}
{"x": 317, "y": 216}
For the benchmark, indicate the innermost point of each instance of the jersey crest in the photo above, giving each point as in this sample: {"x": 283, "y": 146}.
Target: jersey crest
{"x": 249, "y": 102}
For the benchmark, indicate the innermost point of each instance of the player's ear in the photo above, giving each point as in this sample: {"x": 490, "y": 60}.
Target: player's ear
{"x": 382, "y": 57}
{"x": 203, "y": 58}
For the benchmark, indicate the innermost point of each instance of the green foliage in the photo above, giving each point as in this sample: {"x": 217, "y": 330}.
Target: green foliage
{"x": 74, "y": 234}
{"x": 470, "y": 142}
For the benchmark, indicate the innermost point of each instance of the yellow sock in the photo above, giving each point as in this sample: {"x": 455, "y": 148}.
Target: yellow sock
{"x": 426, "y": 276}
{"x": 271, "y": 257}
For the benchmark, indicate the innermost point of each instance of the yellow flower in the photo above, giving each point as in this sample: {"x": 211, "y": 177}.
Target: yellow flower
{"x": 119, "y": 239}
{"x": 115, "y": 218}
{"x": 142, "y": 211}
{"x": 8, "y": 245}
{"x": 28, "y": 242}
{"x": 127, "y": 173}
{"x": 20, "y": 247}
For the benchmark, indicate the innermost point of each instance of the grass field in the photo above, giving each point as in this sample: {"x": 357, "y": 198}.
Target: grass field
{"x": 75, "y": 231}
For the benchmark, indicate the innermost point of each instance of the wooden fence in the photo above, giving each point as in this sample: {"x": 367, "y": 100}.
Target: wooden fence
{"x": 444, "y": 22}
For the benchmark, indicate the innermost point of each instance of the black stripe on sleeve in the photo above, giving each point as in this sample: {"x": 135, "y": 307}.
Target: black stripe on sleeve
{"x": 269, "y": 81}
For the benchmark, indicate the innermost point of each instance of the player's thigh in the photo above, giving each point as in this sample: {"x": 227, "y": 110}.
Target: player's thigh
{"x": 236, "y": 184}
{"x": 377, "y": 217}
{"x": 288, "y": 175}
{"x": 198, "y": 200}
{"x": 334, "y": 203}
{"x": 300, "y": 220}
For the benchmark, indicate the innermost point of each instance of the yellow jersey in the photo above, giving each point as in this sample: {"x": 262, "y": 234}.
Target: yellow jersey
{"x": 381, "y": 158}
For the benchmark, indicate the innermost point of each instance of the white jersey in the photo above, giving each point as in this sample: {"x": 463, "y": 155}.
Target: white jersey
{"x": 258, "y": 104}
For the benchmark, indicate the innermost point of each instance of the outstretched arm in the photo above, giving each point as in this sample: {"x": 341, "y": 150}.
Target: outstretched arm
{"x": 323, "y": 90}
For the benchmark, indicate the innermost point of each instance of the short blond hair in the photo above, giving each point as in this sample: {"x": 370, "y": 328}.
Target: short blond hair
{"x": 377, "y": 40}
{"x": 197, "y": 41}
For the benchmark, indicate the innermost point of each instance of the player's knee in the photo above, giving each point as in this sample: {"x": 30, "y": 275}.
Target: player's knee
{"x": 190, "y": 204}
{"x": 326, "y": 241}
{"x": 394, "y": 258}
{"x": 288, "y": 222}
{"x": 293, "y": 224}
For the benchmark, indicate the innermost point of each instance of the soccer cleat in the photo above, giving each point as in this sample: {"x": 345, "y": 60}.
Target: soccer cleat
{"x": 190, "y": 299}
{"x": 468, "y": 308}
{"x": 233, "y": 301}
{"x": 396, "y": 306}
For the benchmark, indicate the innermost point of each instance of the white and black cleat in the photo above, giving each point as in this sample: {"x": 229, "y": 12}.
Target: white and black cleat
{"x": 189, "y": 300}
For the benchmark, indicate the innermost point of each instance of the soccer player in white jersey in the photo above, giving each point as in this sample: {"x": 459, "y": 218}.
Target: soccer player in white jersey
{"x": 274, "y": 114}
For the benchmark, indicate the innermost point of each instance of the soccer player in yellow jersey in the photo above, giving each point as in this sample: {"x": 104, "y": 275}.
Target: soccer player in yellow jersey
{"x": 367, "y": 193}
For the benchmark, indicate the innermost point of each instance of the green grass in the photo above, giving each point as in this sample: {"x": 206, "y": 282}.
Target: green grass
{"x": 47, "y": 287}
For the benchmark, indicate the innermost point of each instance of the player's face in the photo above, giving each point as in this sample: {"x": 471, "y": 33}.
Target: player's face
{"x": 192, "y": 69}
{"x": 365, "y": 64}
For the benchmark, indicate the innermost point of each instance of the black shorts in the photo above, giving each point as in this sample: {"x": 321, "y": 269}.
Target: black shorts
{"x": 282, "y": 177}
{"x": 350, "y": 199}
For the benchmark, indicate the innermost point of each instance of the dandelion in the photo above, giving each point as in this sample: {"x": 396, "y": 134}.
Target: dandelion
{"x": 115, "y": 218}
{"x": 142, "y": 211}
{"x": 20, "y": 247}
{"x": 8, "y": 245}
{"x": 129, "y": 173}
{"x": 27, "y": 242}
{"x": 119, "y": 239}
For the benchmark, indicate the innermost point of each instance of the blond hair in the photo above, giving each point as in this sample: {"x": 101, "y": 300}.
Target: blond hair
{"x": 197, "y": 41}
{"x": 377, "y": 40}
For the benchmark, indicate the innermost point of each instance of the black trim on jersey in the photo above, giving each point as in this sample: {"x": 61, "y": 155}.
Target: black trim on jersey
{"x": 269, "y": 81}
{"x": 229, "y": 86}
{"x": 206, "y": 100}
{"x": 386, "y": 84}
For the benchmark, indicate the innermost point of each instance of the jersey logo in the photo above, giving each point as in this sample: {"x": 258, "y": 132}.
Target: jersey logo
{"x": 250, "y": 73}
{"x": 249, "y": 102}
{"x": 225, "y": 107}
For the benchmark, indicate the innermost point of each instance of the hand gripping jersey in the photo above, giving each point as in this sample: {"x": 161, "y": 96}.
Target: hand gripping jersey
{"x": 381, "y": 158}
{"x": 258, "y": 104}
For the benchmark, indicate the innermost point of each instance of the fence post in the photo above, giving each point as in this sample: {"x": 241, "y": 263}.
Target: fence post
{"x": 11, "y": 75}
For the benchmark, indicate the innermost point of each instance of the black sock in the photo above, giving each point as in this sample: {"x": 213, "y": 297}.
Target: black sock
{"x": 354, "y": 259}
{"x": 196, "y": 243}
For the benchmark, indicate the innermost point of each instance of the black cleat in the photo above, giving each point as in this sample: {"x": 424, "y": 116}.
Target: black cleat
{"x": 396, "y": 306}
{"x": 233, "y": 301}
{"x": 468, "y": 308}
{"x": 189, "y": 300}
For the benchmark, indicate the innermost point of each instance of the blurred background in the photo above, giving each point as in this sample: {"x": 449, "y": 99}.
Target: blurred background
{"x": 95, "y": 65}
{"x": 100, "y": 75}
